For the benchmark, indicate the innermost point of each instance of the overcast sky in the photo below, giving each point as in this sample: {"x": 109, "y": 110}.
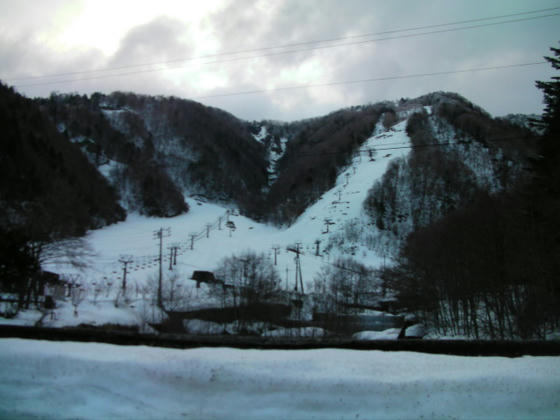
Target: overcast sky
{"x": 201, "y": 48}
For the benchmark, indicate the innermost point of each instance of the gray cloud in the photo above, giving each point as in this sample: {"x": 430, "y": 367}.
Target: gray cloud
{"x": 249, "y": 24}
{"x": 160, "y": 40}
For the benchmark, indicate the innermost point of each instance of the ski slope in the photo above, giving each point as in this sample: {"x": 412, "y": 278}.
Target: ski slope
{"x": 204, "y": 229}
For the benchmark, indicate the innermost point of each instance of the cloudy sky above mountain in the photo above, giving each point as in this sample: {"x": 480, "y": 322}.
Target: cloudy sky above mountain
{"x": 297, "y": 58}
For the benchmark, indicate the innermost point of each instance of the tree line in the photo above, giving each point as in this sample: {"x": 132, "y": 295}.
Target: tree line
{"x": 490, "y": 268}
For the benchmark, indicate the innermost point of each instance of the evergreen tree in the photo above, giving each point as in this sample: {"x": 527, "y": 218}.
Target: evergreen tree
{"x": 547, "y": 168}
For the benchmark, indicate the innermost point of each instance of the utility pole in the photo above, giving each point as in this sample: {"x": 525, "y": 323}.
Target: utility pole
{"x": 276, "y": 248}
{"x": 192, "y": 236}
{"x": 299, "y": 278}
{"x": 231, "y": 226}
{"x": 317, "y": 243}
{"x": 170, "y": 248}
{"x": 328, "y": 222}
{"x": 173, "y": 255}
{"x": 159, "y": 235}
{"x": 125, "y": 260}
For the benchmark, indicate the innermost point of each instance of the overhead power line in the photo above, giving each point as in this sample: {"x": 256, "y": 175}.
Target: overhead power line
{"x": 295, "y": 44}
{"x": 277, "y": 53}
{"x": 376, "y": 149}
{"x": 374, "y": 79}
{"x": 398, "y": 146}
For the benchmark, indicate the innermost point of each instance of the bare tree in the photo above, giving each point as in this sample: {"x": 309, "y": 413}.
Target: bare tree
{"x": 73, "y": 252}
{"x": 248, "y": 278}
{"x": 345, "y": 286}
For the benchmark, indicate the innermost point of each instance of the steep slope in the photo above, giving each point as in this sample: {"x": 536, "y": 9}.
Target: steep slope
{"x": 335, "y": 224}
{"x": 212, "y": 241}
{"x": 154, "y": 150}
{"x": 313, "y": 157}
{"x": 458, "y": 152}
{"x": 48, "y": 188}
{"x": 160, "y": 142}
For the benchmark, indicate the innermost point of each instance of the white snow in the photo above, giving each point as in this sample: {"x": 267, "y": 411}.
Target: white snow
{"x": 135, "y": 237}
{"x": 416, "y": 330}
{"x": 107, "y": 168}
{"x": 261, "y": 135}
{"x": 67, "y": 380}
{"x": 274, "y": 155}
{"x": 390, "y": 334}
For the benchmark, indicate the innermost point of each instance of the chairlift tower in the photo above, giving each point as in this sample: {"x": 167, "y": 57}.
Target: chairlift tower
{"x": 299, "y": 278}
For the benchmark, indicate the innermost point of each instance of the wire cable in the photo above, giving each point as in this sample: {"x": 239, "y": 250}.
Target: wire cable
{"x": 371, "y": 80}
{"x": 267, "y": 48}
{"x": 292, "y": 51}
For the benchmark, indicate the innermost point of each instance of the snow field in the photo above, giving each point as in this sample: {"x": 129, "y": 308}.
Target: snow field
{"x": 135, "y": 236}
{"x": 344, "y": 202}
{"x": 92, "y": 381}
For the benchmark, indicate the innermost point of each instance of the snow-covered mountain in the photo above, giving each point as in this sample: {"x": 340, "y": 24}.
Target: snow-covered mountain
{"x": 344, "y": 221}
{"x": 351, "y": 184}
{"x": 271, "y": 171}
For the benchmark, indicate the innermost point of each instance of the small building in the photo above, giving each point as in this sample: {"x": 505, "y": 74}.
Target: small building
{"x": 204, "y": 277}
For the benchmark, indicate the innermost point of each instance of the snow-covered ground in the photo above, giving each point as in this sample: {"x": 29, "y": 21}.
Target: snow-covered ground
{"x": 41, "y": 379}
{"x": 342, "y": 203}
{"x": 213, "y": 241}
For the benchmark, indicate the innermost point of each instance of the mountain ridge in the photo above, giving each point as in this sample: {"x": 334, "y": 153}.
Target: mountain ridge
{"x": 156, "y": 150}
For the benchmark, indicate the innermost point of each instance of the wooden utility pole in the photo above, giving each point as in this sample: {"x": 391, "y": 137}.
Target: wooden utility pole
{"x": 159, "y": 235}
{"x": 276, "y": 248}
{"x": 125, "y": 260}
{"x": 299, "y": 278}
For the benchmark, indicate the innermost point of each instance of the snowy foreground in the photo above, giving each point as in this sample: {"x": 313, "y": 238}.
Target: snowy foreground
{"x": 42, "y": 379}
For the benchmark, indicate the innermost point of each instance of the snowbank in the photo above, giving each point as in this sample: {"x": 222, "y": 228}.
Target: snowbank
{"x": 295, "y": 332}
{"x": 390, "y": 334}
{"x": 93, "y": 381}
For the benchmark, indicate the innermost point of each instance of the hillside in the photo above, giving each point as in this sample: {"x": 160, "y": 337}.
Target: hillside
{"x": 458, "y": 152}
{"x": 334, "y": 223}
{"x": 345, "y": 191}
{"x": 154, "y": 149}
{"x": 48, "y": 188}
